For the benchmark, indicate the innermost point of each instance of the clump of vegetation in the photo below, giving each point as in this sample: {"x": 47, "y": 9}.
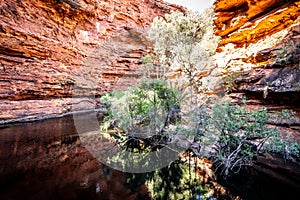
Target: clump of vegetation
{"x": 229, "y": 81}
{"x": 150, "y": 112}
{"x": 176, "y": 181}
{"x": 240, "y": 135}
{"x": 230, "y": 135}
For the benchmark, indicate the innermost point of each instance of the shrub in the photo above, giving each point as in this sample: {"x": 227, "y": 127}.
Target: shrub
{"x": 241, "y": 135}
{"x": 148, "y": 109}
{"x": 231, "y": 135}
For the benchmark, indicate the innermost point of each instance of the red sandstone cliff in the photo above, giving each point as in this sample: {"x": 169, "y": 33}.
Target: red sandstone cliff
{"x": 259, "y": 55}
{"x": 45, "y": 44}
{"x": 260, "y": 50}
{"x": 247, "y": 21}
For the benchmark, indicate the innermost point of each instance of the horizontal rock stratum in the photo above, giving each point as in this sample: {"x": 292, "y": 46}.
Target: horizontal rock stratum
{"x": 247, "y": 21}
{"x": 259, "y": 58}
{"x": 46, "y": 44}
{"x": 259, "y": 53}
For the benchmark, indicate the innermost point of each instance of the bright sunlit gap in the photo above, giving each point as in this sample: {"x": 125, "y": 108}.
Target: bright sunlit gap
{"x": 194, "y": 5}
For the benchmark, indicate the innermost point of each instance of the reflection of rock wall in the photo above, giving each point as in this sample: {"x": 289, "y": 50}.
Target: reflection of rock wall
{"x": 46, "y": 160}
{"x": 44, "y": 43}
{"x": 259, "y": 53}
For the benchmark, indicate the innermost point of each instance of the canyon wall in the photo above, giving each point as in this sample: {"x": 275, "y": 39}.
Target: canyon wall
{"x": 45, "y": 45}
{"x": 48, "y": 47}
{"x": 259, "y": 53}
{"x": 259, "y": 58}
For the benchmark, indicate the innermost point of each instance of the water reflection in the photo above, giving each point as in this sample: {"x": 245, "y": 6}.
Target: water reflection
{"x": 46, "y": 160}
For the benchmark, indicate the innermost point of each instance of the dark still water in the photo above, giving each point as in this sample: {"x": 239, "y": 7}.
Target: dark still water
{"x": 46, "y": 160}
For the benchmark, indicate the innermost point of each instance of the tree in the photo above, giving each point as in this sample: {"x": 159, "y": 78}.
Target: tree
{"x": 185, "y": 42}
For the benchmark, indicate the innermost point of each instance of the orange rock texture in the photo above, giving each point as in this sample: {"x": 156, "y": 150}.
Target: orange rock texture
{"x": 266, "y": 46}
{"x": 259, "y": 53}
{"x": 247, "y": 21}
{"x": 45, "y": 44}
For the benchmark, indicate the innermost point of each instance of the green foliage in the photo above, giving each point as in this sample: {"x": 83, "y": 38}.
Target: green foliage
{"x": 242, "y": 134}
{"x": 145, "y": 105}
{"x": 228, "y": 81}
{"x": 284, "y": 54}
{"x": 231, "y": 135}
{"x": 287, "y": 114}
{"x": 148, "y": 59}
{"x": 150, "y": 67}
{"x": 107, "y": 100}
{"x": 176, "y": 182}
{"x": 284, "y": 145}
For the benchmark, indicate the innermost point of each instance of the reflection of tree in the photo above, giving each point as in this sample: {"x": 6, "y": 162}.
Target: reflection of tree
{"x": 175, "y": 181}
{"x": 169, "y": 181}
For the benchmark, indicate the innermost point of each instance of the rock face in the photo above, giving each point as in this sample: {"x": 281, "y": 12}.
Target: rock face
{"x": 259, "y": 56}
{"x": 248, "y": 21}
{"x": 260, "y": 48}
{"x": 46, "y": 44}
{"x": 267, "y": 33}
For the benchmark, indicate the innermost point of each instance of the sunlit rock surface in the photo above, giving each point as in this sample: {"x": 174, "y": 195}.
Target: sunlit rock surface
{"x": 246, "y": 21}
{"x": 45, "y": 44}
{"x": 260, "y": 50}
